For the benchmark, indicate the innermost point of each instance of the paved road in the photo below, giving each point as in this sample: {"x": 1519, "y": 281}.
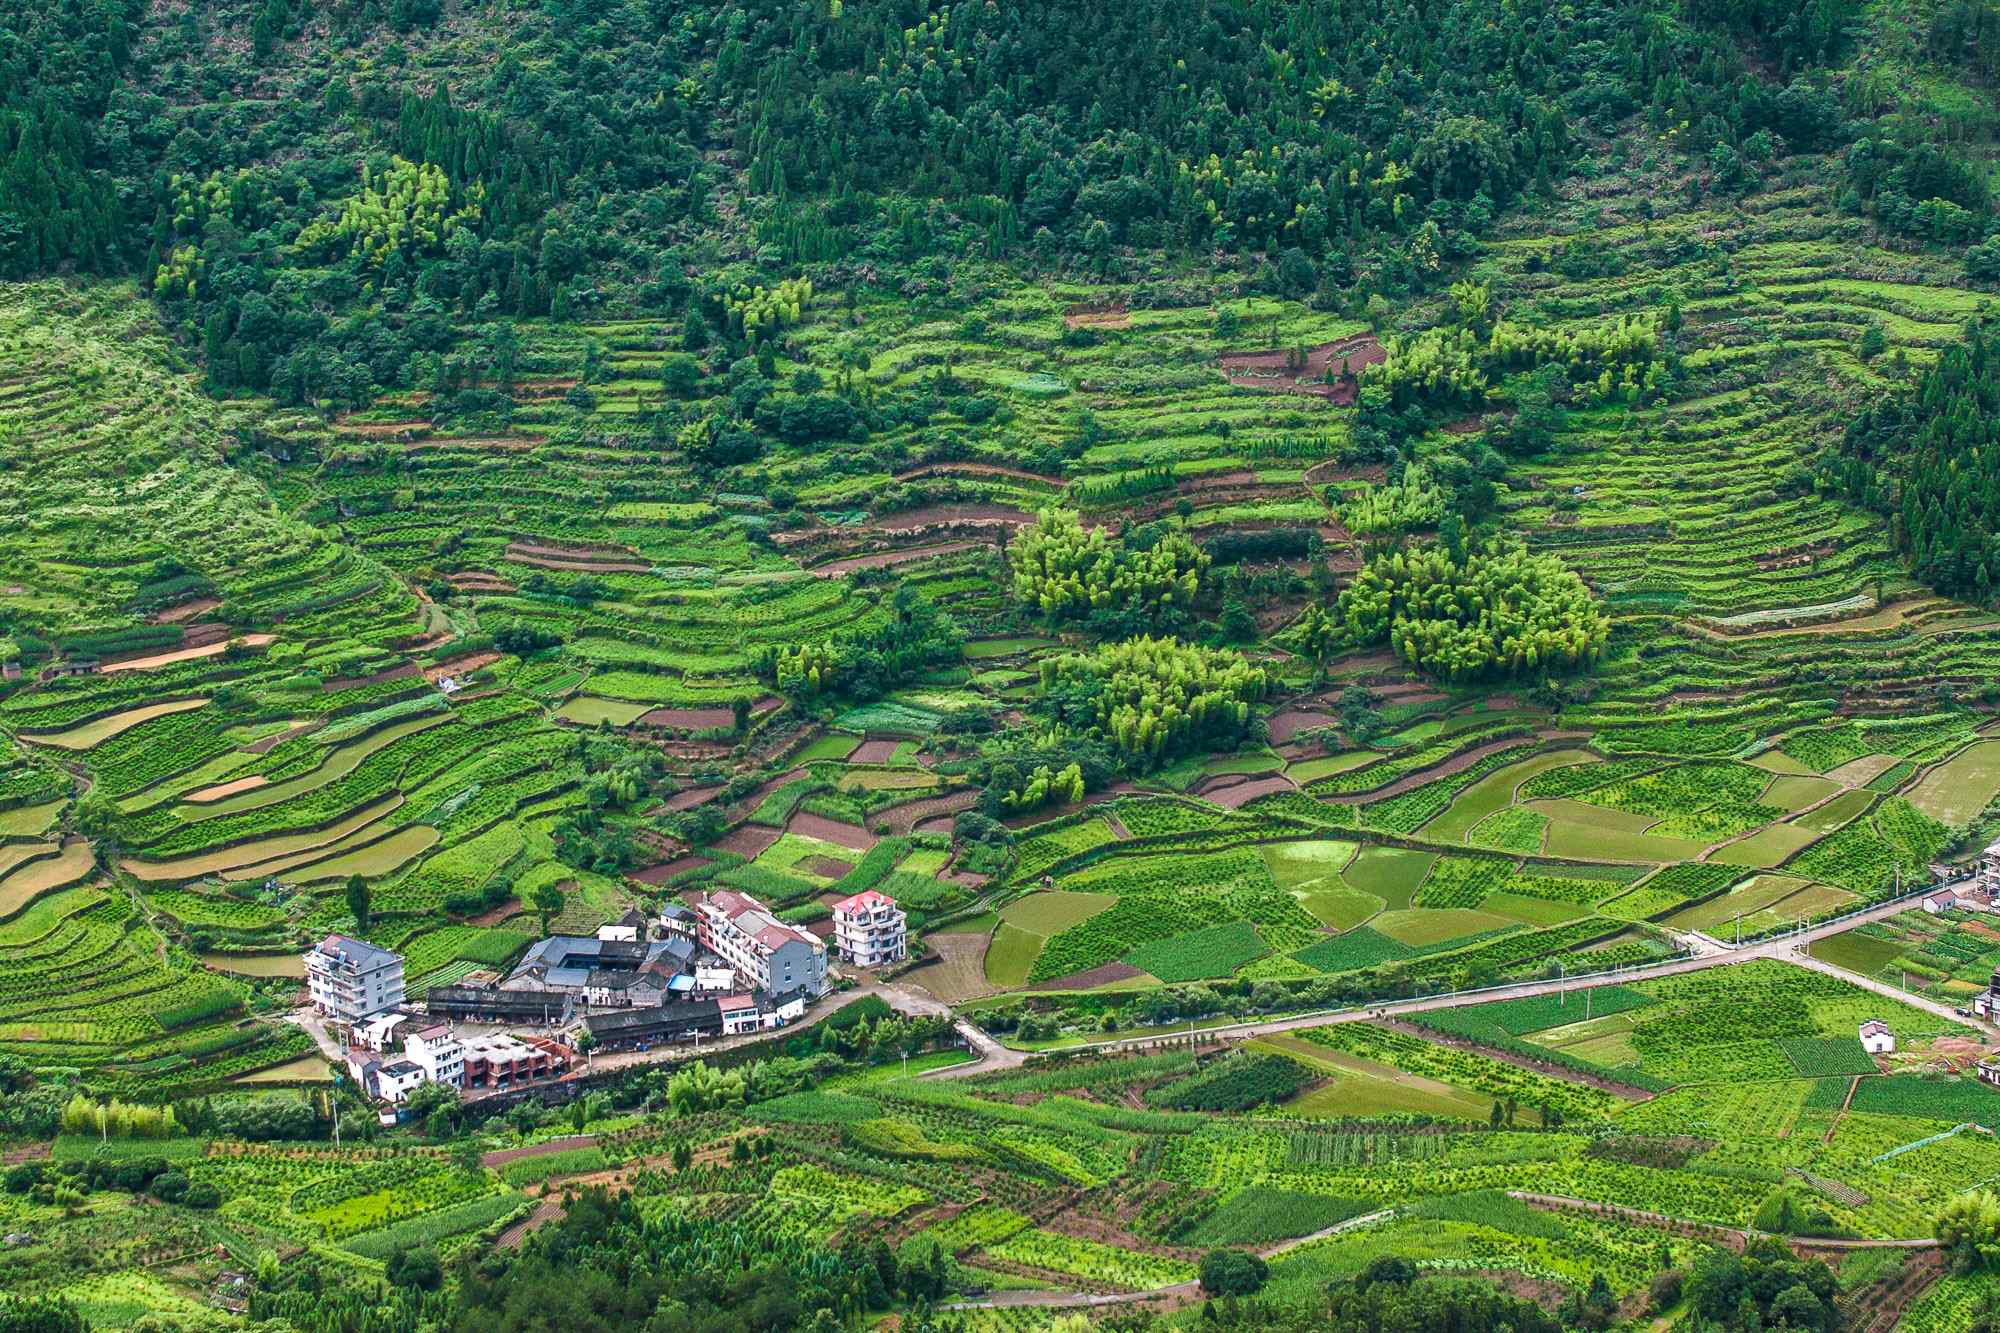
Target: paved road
{"x": 315, "y": 1026}
{"x": 1883, "y": 988}
{"x": 1706, "y": 953}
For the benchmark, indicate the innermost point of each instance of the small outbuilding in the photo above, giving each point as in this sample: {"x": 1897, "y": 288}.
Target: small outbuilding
{"x": 1876, "y": 1039}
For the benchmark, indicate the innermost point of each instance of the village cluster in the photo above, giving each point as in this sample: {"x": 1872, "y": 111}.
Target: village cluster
{"x": 721, "y": 966}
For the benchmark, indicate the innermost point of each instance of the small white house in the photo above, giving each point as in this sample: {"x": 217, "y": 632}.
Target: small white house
{"x": 627, "y": 929}
{"x": 1876, "y": 1039}
{"x": 739, "y": 1014}
{"x": 1939, "y": 903}
{"x": 790, "y": 1011}
{"x": 379, "y": 1034}
{"x": 395, "y": 1081}
{"x": 714, "y": 978}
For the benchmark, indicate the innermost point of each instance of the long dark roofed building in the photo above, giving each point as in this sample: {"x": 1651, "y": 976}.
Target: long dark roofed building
{"x": 678, "y": 1021}
{"x": 490, "y": 1004}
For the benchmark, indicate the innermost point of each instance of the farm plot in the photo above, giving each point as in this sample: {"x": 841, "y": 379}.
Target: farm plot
{"x": 1956, "y": 791}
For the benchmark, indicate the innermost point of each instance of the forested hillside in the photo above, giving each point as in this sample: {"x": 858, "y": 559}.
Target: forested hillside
{"x": 314, "y": 191}
{"x": 1229, "y": 512}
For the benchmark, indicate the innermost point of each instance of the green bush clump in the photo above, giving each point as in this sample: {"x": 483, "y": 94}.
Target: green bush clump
{"x": 1499, "y": 612}
{"x": 817, "y": 1108}
{"x": 1360, "y": 947}
{"x": 1827, "y": 1057}
{"x": 1264, "y": 1213}
{"x": 432, "y": 1227}
{"x": 213, "y": 1004}
{"x": 1065, "y": 570}
{"x": 1155, "y": 698}
{"x": 1953, "y": 1099}
{"x": 568, "y": 1162}
{"x": 1235, "y": 1083}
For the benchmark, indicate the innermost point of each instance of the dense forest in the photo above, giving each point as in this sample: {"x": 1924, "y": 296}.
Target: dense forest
{"x": 315, "y": 191}
{"x": 1925, "y": 457}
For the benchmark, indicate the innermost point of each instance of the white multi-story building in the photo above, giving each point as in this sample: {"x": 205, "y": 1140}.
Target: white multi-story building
{"x": 764, "y": 951}
{"x": 438, "y": 1052}
{"x": 869, "y": 930}
{"x": 351, "y": 979}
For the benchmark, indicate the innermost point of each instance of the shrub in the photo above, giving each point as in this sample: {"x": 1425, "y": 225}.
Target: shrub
{"x": 416, "y": 1267}
{"x": 1492, "y": 613}
{"x": 1234, "y": 1084}
{"x": 1232, "y": 1273}
{"x": 1155, "y": 698}
{"x": 1063, "y": 569}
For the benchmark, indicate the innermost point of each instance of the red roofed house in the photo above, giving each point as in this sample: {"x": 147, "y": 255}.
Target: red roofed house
{"x": 765, "y": 952}
{"x": 739, "y": 1014}
{"x": 869, "y": 929}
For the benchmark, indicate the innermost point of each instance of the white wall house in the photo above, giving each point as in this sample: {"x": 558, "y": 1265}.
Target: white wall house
{"x": 1876, "y": 1039}
{"x": 439, "y": 1053}
{"x": 351, "y": 979}
{"x": 869, "y": 930}
{"x": 396, "y": 1080}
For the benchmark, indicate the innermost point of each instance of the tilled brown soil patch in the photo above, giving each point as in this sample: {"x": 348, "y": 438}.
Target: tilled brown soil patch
{"x": 666, "y": 870}
{"x": 830, "y": 830}
{"x": 1241, "y": 794}
{"x": 926, "y": 516}
{"x": 1277, "y": 370}
{"x": 688, "y": 719}
{"x": 886, "y": 559}
{"x": 1101, "y": 975}
{"x": 749, "y": 841}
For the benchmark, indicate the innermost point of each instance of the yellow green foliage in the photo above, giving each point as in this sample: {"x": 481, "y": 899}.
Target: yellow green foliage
{"x": 1457, "y": 365}
{"x": 1067, "y": 570}
{"x": 179, "y": 273}
{"x": 1159, "y": 697}
{"x": 1415, "y": 502}
{"x": 757, "y": 312}
{"x": 1043, "y": 786}
{"x": 1970, "y": 1222}
{"x": 117, "y": 1120}
{"x": 1500, "y": 612}
{"x": 406, "y": 209}
{"x": 806, "y": 669}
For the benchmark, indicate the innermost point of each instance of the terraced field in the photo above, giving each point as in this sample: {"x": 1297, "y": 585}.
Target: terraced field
{"x": 1706, "y": 779}
{"x": 1241, "y": 519}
